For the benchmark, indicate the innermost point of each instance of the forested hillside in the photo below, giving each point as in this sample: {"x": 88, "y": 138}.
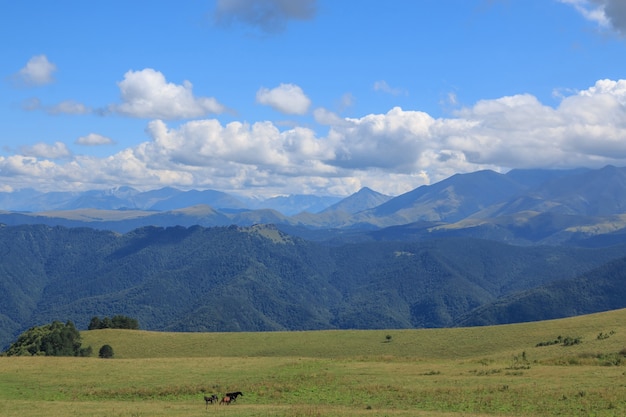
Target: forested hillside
{"x": 258, "y": 278}
{"x": 604, "y": 286}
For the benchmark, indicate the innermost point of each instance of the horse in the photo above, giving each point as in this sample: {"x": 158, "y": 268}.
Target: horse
{"x": 226, "y": 400}
{"x": 233, "y": 395}
{"x": 212, "y": 399}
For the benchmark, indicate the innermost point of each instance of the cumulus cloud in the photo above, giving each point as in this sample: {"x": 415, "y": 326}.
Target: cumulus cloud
{"x": 394, "y": 139}
{"x": 269, "y": 16}
{"x": 286, "y": 98}
{"x": 146, "y": 94}
{"x": 607, "y": 13}
{"x": 261, "y": 145}
{"x": 392, "y": 152}
{"x": 94, "y": 139}
{"x": 38, "y": 71}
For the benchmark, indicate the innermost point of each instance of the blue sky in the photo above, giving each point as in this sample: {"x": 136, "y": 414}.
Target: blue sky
{"x": 275, "y": 97}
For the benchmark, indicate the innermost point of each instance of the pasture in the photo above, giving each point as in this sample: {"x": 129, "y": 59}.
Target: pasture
{"x": 469, "y": 372}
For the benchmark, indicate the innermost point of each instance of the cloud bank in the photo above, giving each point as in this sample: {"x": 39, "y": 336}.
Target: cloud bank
{"x": 391, "y": 152}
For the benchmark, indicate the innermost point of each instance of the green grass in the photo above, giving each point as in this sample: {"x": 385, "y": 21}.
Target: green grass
{"x": 482, "y": 371}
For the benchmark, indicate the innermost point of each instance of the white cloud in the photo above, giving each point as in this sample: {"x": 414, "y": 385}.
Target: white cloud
{"x": 207, "y": 143}
{"x": 64, "y": 107}
{"x": 94, "y": 139}
{"x": 68, "y": 107}
{"x": 616, "y": 89}
{"x": 386, "y": 88}
{"x": 270, "y": 16}
{"x": 44, "y": 150}
{"x": 392, "y": 152}
{"x": 146, "y": 94}
{"x": 325, "y": 117}
{"x": 394, "y": 139}
{"x": 286, "y": 98}
{"x": 38, "y": 71}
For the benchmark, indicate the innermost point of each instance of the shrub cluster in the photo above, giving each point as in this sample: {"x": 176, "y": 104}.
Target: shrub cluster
{"x": 602, "y": 336}
{"x": 560, "y": 340}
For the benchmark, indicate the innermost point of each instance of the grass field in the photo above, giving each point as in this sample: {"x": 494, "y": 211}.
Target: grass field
{"x": 481, "y": 371}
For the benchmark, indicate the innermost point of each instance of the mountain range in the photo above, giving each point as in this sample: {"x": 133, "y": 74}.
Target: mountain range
{"x": 580, "y": 207}
{"x": 474, "y": 249}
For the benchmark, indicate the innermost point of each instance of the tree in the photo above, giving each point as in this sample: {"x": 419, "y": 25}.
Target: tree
{"x": 94, "y": 324}
{"x": 106, "y": 352}
{"x": 124, "y": 322}
{"x": 54, "y": 339}
{"x": 107, "y": 323}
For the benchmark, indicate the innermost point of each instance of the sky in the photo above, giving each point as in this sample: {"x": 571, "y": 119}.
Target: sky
{"x": 277, "y": 97}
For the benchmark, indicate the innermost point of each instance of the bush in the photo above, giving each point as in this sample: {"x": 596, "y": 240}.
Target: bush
{"x": 85, "y": 352}
{"x": 106, "y": 352}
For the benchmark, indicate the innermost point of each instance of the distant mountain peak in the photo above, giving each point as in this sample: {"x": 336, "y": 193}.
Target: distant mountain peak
{"x": 364, "y": 199}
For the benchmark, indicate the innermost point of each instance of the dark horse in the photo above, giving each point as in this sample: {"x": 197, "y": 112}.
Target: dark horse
{"x": 212, "y": 399}
{"x": 233, "y": 395}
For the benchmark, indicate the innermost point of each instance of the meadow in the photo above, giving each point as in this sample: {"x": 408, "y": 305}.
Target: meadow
{"x": 578, "y": 369}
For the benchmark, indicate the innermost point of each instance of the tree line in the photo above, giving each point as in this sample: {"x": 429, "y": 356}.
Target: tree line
{"x": 116, "y": 322}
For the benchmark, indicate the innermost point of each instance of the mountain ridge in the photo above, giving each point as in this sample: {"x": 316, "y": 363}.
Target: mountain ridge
{"x": 527, "y": 207}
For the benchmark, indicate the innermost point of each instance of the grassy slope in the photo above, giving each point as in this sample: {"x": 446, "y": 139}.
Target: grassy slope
{"x": 456, "y": 343}
{"x": 495, "y": 370}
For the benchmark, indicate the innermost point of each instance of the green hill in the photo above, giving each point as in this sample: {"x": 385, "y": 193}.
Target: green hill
{"x": 445, "y": 343}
